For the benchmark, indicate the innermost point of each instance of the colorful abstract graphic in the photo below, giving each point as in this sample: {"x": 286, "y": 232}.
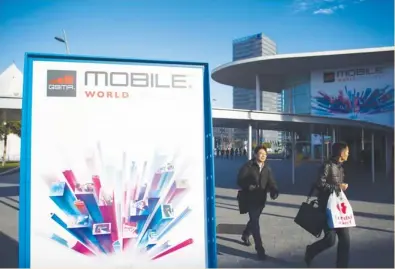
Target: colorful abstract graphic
{"x": 136, "y": 212}
{"x": 353, "y": 102}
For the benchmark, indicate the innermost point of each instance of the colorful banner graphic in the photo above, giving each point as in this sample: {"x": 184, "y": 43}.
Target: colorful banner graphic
{"x": 116, "y": 165}
{"x": 361, "y": 93}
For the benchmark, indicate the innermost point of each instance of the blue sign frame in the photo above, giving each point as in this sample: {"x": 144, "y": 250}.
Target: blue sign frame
{"x": 25, "y": 162}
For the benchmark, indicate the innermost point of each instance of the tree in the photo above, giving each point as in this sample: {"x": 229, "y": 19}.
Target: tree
{"x": 267, "y": 145}
{"x": 15, "y": 127}
{"x": 11, "y": 127}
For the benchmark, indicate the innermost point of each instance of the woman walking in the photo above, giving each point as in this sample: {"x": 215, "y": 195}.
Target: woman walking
{"x": 332, "y": 179}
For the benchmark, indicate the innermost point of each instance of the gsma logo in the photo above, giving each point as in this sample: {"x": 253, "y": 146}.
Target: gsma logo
{"x": 329, "y": 77}
{"x": 61, "y": 83}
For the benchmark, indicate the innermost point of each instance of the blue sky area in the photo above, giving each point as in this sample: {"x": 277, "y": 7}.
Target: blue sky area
{"x": 193, "y": 30}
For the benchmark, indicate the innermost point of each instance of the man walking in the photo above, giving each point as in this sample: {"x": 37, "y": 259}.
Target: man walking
{"x": 256, "y": 179}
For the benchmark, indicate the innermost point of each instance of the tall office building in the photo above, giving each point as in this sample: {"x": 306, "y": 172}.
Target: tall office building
{"x": 244, "y": 48}
{"x": 253, "y": 46}
{"x": 249, "y": 47}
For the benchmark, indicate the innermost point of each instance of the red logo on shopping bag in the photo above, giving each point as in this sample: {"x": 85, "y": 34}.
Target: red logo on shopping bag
{"x": 342, "y": 207}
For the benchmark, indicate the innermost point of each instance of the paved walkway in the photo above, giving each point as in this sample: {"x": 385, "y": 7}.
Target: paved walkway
{"x": 372, "y": 241}
{"x": 9, "y": 209}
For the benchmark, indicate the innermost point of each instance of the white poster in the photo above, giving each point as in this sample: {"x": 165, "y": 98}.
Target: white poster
{"x": 360, "y": 93}
{"x": 117, "y": 166}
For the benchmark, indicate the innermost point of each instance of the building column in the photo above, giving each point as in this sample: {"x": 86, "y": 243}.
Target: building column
{"x": 257, "y": 93}
{"x": 312, "y": 151}
{"x": 322, "y": 147}
{"x": 249, "y": 142}
{"x": 293, "y": 155}
{"x": 355, "y": 151}
{"x": 258, "y": 136}
{"x": 327, "y": 145}
{"x": 372, "y": 158}
{"x": 291, "y": 101}
{"x": 333, "y": 135}
{"x": 388, "y": 153}
{"x": 258, "y": 105}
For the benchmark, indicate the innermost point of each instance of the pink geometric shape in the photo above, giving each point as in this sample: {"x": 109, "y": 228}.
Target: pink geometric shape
{"x": 108, "y": 213}
{"x": 175, "y": 248}
{"x": 83, "y": 249}
{"x": 70, "y": 178}
{"x": 96, "y": 184}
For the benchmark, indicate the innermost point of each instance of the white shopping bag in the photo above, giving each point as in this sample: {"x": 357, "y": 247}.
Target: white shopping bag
{"x": 339, "y": 211}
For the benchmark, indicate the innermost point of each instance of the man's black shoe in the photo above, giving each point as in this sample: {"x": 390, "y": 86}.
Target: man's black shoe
{"x": 261, "y": 254}
{"x": 307, "y": 257}
{"x": 246, "y": 240}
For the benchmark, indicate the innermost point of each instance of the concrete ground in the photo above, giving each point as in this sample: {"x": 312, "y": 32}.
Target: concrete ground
{"x": 372, "y": 244}
{"x": 372, "y": 241}
{"x": 9, "y": 209}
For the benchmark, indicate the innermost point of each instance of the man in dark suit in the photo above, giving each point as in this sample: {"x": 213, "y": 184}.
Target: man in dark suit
{"x": 256, "y": 179}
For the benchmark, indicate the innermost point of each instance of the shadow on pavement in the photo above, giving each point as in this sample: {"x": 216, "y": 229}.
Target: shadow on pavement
{"x": 9, "y": 191}
{"x": 8, "y": 252}
{"x": 294, "y": 206}
{"x": 225, "y": 228}
{"x": 326, "y": 259}
{"x": 10, "y": 178}
{"x": 368, "y": 254}
{"x": 270, "y": 261}
{"x": 234, "y": 252}
{"x": 237, "y": 229}
{"x": 361, "y": 188}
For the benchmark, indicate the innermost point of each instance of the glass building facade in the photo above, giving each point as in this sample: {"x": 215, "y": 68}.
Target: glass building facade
{"x": 295, "y": 99}
{"x": 244, "y": 99}
{"x": 296, "y": 96}
{"x": 271, "y": 102}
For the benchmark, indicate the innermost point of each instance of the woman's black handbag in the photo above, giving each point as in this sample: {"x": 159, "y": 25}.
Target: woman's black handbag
{"x": 310, "y": 217}
{"x": 242, "y": 199}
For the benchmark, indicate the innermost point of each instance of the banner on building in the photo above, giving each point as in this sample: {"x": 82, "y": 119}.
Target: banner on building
{"x": 360, "y": 93}
{"x": 116, "y": 166}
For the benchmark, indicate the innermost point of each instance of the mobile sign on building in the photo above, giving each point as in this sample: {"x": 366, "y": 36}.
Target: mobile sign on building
{"x": 116, "y": 164}
{"x": 362, "y": 93}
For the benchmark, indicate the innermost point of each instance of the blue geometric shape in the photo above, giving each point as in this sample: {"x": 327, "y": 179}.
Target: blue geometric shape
{"x": 63, "y": 197}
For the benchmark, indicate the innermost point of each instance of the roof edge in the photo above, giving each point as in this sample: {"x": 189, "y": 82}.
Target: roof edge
{"x": 306, "y": 54}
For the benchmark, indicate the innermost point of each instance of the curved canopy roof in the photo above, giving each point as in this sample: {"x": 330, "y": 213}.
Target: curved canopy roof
{"x": 273, "y": 69}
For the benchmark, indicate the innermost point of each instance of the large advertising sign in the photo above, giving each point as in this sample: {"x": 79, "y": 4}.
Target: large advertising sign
{"x": 116, "y": 165}
{"x": 361, "y": 93}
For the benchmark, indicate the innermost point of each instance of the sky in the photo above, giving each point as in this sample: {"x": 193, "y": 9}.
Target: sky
{"x": 193, "y": 30}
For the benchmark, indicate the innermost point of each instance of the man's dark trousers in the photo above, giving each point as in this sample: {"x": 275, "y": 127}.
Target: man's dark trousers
{"x": 253, "y": 228}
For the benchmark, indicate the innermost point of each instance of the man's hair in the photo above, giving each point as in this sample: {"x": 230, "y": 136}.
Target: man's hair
{"x": 258, "y": 148}
{"x": 337, "y": 148}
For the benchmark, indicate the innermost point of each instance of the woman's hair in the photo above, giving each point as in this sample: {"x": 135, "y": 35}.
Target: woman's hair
{"x": 258, "y": 148}
{"x": 337, "y": 148}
